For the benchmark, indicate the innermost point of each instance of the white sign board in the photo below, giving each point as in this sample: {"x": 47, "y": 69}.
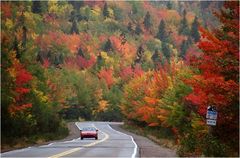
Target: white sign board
{"x": 211, "y": 122}
{"x": 211, "y": 115}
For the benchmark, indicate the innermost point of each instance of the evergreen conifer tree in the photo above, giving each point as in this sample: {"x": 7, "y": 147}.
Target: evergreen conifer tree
{"x": 36, "y": 7}
{"x": 166, "y": 50}
{"x": 184, "y": 29}
{"x": 183, "y": 49}
{"x": 74, "y": 28}
{"x": 76, "y": 4}
{"x": 108, "y": 46}
{"x": 130, "y": 27}
{"x": 169, "y": 5}
{"x": 39, "y": 7}
{"x": 80, "y": 52}
{"x": 105, "y": 10}
{"x": 138, "y": 29}
{"x": 16, "y": 48}
{"x": 147, "y": 21}
{"x": 156, "y": 58}
{"x": 162, "y": 34}
{"x": 194, "y": 31}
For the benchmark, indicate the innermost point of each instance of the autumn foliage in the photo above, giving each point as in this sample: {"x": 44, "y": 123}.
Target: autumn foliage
{"x": 177, "y": 97}
{"x": 138, "y": 62}
{"x": 107, "y": 76}
{"x": 146, "y": 94}
{"x": 22, "y": 78}
{"x": 218, "y": 83}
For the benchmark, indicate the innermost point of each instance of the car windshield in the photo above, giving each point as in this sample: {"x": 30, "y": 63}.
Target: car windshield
{"x": 89, "y": 129}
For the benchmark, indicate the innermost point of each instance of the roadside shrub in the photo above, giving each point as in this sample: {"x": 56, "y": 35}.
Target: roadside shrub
{"x": 208, "y": 145}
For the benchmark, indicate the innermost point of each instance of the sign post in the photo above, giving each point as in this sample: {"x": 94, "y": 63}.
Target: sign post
{"x": 211, "y": 116}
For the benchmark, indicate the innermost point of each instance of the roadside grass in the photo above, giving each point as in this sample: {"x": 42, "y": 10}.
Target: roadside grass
{"x": 12, "y": 143}
{"x": 160, "y": 136}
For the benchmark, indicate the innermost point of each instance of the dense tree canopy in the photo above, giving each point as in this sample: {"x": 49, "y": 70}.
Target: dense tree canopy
{"x": 154, "y": 64}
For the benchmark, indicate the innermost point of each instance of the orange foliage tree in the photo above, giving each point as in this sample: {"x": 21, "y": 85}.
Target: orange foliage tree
{"x": 126, "y": 50}
{"x": 107, "y": 76}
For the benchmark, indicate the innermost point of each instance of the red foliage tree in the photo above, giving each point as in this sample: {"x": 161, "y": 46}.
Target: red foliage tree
{"x": 218, "y": 83}
{"x": 126, "y": 73}
{"x": 138, "y": 71}
{"x": 84, "y": 63}
{"x": 22, "y": 78}
{"x": 6, "y": 9}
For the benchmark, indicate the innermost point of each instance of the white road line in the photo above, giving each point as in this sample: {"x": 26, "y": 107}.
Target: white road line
{"x": 135, "y": 148}
{"x": 135, "y": 145}
{"x": 77, "y": 149}
{"x": 46, "y": 145}
{"x": 77, "y": 125}
{"x": 117, "y": 131}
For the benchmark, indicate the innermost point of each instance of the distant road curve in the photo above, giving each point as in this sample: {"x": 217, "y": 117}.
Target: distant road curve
{"x": 111, "y": 143}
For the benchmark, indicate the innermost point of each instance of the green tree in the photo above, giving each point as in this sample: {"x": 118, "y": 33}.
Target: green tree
{"x": 162, "y": 34}
{"x": 113, "y": 112}
{"x": 147, "y": 21}
{"x": 194, "y": 31}
{"x": 105, "y": 10}
{"x": 169, "y": 5}
{"x": 74, "y": 28}
{"x": 100, "y": 62}
{"x": 166, "y": 50}
{"x": 156, "y": 58}
{"x": 16, "y": 48}
{"x": 184, "y": 29}
{"x": 39, "y": 7}
{"x": 76, "y": 4}
{"x": 74, "y": 18}
{"x": 183, "y": 49}
{"x": 24, "y": 30}
{"x": 204, "y": 5}
{"x": 129, "y": 27}
{"x": 118, "y": 13}
{"x": 138, "y": 29}
{"x": 134, "y": 7}
{"x": 36, "y": 7}
{"x": 80, "y": 52}
{"x": 108, "y": 46}
{"x": 140, "y": 54}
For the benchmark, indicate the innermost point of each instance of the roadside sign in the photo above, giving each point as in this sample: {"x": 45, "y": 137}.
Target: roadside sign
{"x": 211, "y": 116}
{"x": 211, "y": 122}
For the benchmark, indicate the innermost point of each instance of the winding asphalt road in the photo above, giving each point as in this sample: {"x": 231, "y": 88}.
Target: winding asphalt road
{"x": 111, "y": 143}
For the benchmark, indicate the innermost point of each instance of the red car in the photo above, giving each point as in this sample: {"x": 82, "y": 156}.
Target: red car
{"x": 89, "y": 132}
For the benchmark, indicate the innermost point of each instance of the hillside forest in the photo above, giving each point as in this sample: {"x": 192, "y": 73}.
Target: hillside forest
{"x": 151, "y": 64}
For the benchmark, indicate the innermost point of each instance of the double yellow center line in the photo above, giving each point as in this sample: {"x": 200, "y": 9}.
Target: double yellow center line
{"x": 106, "y": 136}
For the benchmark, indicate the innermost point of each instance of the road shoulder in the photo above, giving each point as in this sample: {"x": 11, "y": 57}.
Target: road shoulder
{"x": 146, "y": 147}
